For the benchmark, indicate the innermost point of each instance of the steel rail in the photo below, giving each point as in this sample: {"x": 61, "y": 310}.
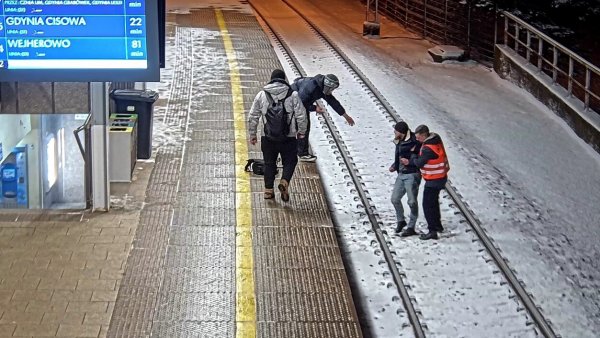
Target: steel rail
{"x": 540, "y": 321}
{"x": 397, "y": 277}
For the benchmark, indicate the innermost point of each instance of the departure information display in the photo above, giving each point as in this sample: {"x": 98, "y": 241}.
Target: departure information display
{"x": 89, "y": 40}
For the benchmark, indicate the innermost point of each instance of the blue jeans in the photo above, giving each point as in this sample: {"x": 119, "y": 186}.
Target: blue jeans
{"x": 406, "y": 184}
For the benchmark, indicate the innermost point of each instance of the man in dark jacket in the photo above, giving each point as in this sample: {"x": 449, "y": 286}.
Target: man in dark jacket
{"x": 408, "y": 179}
{"x": 310, "y": 90}
{"x": 433, "y": 163}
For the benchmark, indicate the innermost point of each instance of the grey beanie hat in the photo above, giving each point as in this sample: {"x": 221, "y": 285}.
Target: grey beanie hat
{"x": 422, "y": 129}
{"x": 331, "y": 81}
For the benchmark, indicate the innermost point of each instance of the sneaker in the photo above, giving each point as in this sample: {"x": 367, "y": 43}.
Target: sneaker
{"x": 283, "y": 188}
{"x": 430, "y": 235}
{"x": 400, "y": 226}
{"x": 308, "y": 158}
{"x": 408, "y": 232}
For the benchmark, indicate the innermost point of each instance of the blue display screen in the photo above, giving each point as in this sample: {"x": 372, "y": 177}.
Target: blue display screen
{"x": 9, "y": 174}
{"x": 78, "y": 35}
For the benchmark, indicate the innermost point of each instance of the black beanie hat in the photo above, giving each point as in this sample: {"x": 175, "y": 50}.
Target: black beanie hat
{"x": 401, "y": 127}
{"x": 278, "y": 74}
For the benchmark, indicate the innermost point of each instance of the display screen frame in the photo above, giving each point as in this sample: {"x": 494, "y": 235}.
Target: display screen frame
{"x": 150, "y": 74}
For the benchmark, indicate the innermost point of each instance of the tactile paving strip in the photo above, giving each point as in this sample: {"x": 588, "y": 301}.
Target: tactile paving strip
{"x": 294, "y": 236}
{"x": 300, "y": 280}
{"x": 200, "y": 256}
{"x": 194, "y": 200}
{"x": 297, "y": 185}
{"x": 203, "y": 216}
{"x": 298, "y": 201}
{"x": 308, "y": 329}
{"x": 196, "y": 307}
{"x": 194, "y": 236}
{"x": 304, "y": 307}
{"x": 199, "y": 147}
{"x": 194, "y": 329}
{"x": 290, "y": 218}
{"x": 208, "y": 157}
{"x": 195, "y": 171}
{"x": 217, "y": 184}
{"x": 298, "y": 257}
{"x": 203, "y": 279}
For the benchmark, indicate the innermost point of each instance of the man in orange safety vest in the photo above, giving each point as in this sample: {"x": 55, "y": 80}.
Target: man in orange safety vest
{"x": 433, "y": 163}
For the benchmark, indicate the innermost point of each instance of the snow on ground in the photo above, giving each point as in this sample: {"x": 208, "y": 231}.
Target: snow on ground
{"x": 530, "y": 180}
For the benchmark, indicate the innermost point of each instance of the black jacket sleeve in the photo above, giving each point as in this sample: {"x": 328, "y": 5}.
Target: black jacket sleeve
{"x": 335, "y": 104}
{"x": 426, "y": 155}
{"x": 396, "y": 163}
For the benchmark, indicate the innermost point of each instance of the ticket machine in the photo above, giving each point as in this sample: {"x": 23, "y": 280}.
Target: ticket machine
{"x": 8, "y": 175}
{"x": 14, "y": 180}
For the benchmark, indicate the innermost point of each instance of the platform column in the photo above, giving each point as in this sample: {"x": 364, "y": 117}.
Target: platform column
{"x": 99, "y": 148}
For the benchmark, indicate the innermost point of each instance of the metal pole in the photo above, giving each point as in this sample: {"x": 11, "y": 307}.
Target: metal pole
{"x": 588, "y": 81}
{"x": 570, "y": 85}
{"x": 540, "y": 52}
{"x": 99, "y": 146}
{"x": 554, "y": 63}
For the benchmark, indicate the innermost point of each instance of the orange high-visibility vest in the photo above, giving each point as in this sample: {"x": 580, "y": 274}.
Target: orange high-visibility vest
{"x": 438, "y": 167}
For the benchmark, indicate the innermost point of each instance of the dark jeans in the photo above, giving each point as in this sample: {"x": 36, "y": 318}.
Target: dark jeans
{"x": 431, "y": 208}
{"x": 303, "y": 142}
{"x": 289, "y": 158}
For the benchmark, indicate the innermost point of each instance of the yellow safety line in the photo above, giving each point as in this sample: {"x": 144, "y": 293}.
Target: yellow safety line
{"x": 245, "y": 300}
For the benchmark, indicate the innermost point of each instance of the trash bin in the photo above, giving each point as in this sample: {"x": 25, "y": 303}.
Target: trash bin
{"x": 121, "y": 153}
{"x": 140, "y": 102}
{"x": 119, "y": 118}
{"x": 124, "y": 120}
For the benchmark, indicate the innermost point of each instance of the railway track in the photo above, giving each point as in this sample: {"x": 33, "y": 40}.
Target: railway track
{"x": 525, "y": 301}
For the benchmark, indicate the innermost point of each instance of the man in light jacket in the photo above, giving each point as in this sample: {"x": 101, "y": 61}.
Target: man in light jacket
{"x": 265, "y": 103}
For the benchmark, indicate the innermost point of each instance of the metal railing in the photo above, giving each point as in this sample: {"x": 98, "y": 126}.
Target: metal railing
{"x": 448, "y": 22}
{"x": 577, "y": 76}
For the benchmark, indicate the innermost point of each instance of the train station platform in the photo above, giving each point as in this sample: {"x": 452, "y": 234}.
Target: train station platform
{"x": 190, "y": 248}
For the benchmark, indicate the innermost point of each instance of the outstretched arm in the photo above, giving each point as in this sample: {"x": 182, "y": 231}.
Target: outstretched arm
{"x": 337, "y": 106}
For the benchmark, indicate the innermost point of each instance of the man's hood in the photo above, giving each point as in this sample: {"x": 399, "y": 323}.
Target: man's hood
{"x": 277, "y": 89}
{"x": 433, "y": 139}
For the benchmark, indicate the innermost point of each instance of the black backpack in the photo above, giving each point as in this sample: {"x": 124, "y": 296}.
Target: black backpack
{"x": 257, "y": 167}
{"x": 277, "y": 127}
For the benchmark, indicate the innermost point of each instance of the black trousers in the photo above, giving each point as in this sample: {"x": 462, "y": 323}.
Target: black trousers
{"x": 431, "y": 208}
{"x": 303, "y": 142}
{"x": 289, "y": 158}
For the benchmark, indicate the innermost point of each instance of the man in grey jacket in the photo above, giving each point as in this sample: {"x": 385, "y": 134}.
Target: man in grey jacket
{"x": 266, "y": 102}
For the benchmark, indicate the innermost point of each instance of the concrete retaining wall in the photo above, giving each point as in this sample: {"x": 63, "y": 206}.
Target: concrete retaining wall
{"x": 514, "y": 68}
{"x": 44, "y": 98}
